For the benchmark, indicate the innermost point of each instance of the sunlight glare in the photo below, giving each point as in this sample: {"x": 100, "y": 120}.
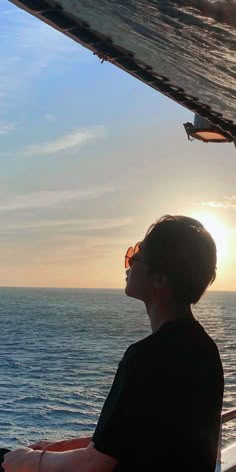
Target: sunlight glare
{"x": 220, "y": 233}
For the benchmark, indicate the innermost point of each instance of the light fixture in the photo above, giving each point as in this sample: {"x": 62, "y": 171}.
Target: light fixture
{"x": 203, "y": 130}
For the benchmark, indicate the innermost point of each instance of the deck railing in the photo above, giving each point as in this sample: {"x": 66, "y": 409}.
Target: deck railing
{"x": 225, "y": 417}
{"x": 228, "y": 416}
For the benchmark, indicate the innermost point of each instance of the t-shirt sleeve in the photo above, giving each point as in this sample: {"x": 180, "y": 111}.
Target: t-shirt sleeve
{"x": 130, "y": 408}
{"x": 114, "y": 427}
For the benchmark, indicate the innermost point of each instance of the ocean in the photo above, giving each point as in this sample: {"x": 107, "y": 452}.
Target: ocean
{"x": 59, "y": 349}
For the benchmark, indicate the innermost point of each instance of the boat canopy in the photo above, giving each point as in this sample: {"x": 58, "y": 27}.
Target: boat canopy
{"x": 185, "y": 49}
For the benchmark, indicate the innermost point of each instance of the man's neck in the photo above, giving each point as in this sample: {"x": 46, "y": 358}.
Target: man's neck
{"x": 160, "y": 313}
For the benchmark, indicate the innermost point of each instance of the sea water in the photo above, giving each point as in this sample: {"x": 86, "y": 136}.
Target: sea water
{"x": 59, "y": 350}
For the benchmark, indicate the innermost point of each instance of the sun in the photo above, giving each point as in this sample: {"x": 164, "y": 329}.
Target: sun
{"x": 220, "y": 233}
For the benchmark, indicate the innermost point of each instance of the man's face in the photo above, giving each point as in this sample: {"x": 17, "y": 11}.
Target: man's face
{"x": 139, "y": 280}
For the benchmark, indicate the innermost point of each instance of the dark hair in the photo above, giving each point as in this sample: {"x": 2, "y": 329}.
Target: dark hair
{"x": 181, "y": 248}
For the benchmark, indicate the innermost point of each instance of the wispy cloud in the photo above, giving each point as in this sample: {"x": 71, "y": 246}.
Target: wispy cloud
{"x": 49, "y": 117}
{"x": 65, "y": 142}
{"x": 227, "y": 202}
{"x": 75, "y": 224}
{"x": 214, "y": 204}
{"x": 53, "y": 198}
{"x": 6, "y": 128}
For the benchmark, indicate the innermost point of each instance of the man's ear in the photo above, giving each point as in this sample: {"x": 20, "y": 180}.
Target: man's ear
{"x": 159, "y": 281}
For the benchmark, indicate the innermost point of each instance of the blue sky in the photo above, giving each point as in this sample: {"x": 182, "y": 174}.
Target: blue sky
{"x": 90, "y": 157}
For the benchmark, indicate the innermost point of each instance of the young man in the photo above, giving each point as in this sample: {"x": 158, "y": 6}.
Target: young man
{"x": 163, "y": 410}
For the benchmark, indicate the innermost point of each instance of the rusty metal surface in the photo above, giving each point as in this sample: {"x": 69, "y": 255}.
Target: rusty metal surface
{"x": 184, "y": 49}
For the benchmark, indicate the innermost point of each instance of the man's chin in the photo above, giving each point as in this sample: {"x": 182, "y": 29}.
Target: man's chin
{"x": 126, "y": 289}
{"x": 130, "y": 293}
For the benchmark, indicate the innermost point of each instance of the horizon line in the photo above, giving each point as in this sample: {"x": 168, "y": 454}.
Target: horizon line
{"x": 88, "y": 288}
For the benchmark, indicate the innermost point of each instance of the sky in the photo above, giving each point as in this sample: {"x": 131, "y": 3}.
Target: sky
{"x": 90, "y": 157}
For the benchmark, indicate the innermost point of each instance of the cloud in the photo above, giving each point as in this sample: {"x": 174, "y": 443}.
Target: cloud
{"x": 49, "y": 117}
{"x": 6, "y": 128}
{"x": 214, "y": 204}
{"x": 53, "y": 198}
{"x": 77, "y": 224}
{"x": 228, "y": 202}
{"x": 65, "y": 142}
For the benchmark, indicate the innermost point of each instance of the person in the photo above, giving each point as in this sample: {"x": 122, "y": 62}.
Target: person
{"x": 164, "y": 408}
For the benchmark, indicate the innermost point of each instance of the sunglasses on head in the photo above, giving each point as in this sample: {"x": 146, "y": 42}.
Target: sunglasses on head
{"x": 130, "y": 253}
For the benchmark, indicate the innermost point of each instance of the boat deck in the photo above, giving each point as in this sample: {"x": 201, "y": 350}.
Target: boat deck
{"x": 228, "y": 459}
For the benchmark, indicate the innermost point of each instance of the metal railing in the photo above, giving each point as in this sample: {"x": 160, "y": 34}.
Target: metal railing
{"x": 225, "y": 418}
{"x": 228, "y": 416}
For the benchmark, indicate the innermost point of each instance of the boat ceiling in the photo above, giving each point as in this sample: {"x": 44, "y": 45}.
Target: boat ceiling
{"x": 185, "y": 49}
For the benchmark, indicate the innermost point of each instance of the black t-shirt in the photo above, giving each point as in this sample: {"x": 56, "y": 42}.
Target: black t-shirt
{"x": 163, "y": 410}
